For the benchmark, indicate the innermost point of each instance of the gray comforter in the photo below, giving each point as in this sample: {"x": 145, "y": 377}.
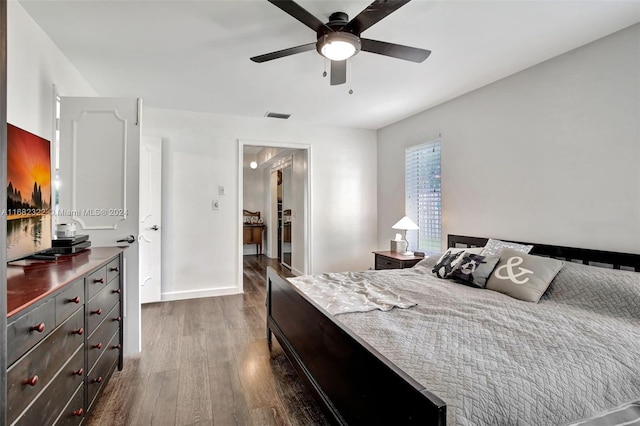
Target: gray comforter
{"x": 496, "y": 360}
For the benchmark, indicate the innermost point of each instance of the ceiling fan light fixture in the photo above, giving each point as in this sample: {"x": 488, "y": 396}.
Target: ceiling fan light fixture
{"x": 338, "y": 46}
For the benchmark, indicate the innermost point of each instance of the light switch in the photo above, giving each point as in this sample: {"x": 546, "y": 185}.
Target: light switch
{"x": 221, "y": 190}
{"x": 215, "y": 205}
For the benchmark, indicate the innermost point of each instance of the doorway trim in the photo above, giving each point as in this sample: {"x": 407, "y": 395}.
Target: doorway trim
{"x": 307, "y": 200}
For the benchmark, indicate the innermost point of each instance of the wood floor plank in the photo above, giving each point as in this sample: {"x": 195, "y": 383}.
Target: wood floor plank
{"x": 218, "y": 345}
{"x": 193, "y": 350}
{"x": 158, "y": 405}
{"x": 166, "y": 352}
{"x": 227, "y": 395}
{"x": 270, "y": 416}
{"x": 194, "y": 401}
{"x": 195, "y": 319}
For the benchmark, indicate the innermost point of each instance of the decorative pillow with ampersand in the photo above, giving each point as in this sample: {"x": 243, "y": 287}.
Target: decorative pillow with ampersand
{"x": 523, "y": 276}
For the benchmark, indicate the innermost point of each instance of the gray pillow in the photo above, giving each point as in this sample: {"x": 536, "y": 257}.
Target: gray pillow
{"x": 474, "y": 269}
{"x": 523, "y": 276}
{"x": 495, "y": 247}
{"x": 428, "y": 262}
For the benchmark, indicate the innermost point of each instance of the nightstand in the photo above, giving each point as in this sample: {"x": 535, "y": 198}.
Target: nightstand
{"x": 393, "y": 260}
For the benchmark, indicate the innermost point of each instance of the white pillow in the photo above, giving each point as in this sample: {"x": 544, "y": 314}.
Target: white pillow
{"x": 495, "y": 247}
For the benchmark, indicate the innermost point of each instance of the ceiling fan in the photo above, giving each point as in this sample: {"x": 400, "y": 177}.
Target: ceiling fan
{"x": 339, "y": 39}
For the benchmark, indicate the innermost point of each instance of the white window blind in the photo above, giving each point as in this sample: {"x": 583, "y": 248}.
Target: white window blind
{"x": 422, "y": 196}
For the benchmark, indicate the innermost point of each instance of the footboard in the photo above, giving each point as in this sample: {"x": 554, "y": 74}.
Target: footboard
{"x": 352, "y": 381}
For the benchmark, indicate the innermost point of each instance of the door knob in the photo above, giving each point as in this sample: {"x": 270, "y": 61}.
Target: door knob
{"x": 155, "y": 227}
{"x": 130, "y": 239}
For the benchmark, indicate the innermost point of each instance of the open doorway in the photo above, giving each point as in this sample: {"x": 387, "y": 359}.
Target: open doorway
{"x": 274, "y": 204}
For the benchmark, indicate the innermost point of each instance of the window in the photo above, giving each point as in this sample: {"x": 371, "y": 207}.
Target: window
{"x": 422, "y": 196}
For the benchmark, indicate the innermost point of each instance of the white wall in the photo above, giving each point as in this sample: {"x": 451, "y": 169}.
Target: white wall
{"x": 253, "y": 191}
{"x": 200, "y": 246}
{"x": 549, "y": 155}
{"x": 34, "y": 65}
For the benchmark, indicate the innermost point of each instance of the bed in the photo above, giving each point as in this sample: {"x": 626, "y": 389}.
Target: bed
{"x": 367, "y": 368}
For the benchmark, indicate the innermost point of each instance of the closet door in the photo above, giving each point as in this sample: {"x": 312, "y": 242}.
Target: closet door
{"x": 286, "y": 229}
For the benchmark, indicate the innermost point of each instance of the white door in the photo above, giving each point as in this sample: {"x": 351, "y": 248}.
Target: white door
{"x": 99, "y": 157}
{"x": 150, "y": 219}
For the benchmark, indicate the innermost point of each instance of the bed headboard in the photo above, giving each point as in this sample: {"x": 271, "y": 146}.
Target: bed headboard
{"x": 600, "y": 258}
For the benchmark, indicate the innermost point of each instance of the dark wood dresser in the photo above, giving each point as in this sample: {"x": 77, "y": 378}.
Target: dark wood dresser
{"x": 64, "y": 335}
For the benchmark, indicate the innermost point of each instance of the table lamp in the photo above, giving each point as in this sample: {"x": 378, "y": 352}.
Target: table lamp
{"x": 405, "y": 224}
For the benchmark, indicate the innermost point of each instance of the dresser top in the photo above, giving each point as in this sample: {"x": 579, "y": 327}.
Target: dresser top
{"x": 29, "y": 281}
{"x": 398, "y": 256}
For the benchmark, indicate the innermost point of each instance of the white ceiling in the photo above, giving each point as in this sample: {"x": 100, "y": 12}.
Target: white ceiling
{"x": 194, "y": 55}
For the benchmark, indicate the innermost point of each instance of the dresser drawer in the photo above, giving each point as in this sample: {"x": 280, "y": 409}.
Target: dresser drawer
{"x": 97, "y": 343}
{"x": 47, "y": 408}
{"x": 102, "y": 303}
{"x": 69, "y": 301}
{"x": 386, "y": 263}
{"x": 96, "y": 281}
{"x": 99, "y": 375}
{"x": 113, "y": 269}
{"x": 29, "y": 329}
{"x": 27, "y": 377}
{"x": 73, "y": 413}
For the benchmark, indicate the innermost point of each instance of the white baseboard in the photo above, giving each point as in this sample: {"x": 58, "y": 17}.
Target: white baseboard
{"x": 196, "y": 294}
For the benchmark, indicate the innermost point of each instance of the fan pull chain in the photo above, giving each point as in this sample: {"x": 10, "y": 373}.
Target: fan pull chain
{"x": 349, "y": 76}
{"x": 324, "y": 73}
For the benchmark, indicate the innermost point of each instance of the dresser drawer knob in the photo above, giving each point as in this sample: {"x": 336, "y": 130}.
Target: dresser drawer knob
{"x": 98, "y": 312}
{"x": 79, "y": 331}
{"x": 79, "y": 412}
{"x": 75, "y": 300}
{"x": 39, "y": 328}
{"x": 98, "y": 380}
{"x": 99, "y": 280}
{"x": 116, "y": 290}
{"x": 118, "y": 319}
{"x": 79, "y": 372}
{"x": 118, "y": 346}
{"x": 98, "y": 346}
{"x": 32, "y": 381}
{"x": 114, "y": 269}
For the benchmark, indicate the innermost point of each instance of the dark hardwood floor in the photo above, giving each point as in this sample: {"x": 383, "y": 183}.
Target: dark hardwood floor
{"x": 206, "y": 362}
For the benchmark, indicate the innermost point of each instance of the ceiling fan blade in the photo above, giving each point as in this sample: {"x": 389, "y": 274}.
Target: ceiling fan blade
{"x": 338, "y": 72}
{"x": 399, "y": 51}
{"x": 285, "y": 52}
{"x": 301, "y": 14}
{"x": 374, "y": 13}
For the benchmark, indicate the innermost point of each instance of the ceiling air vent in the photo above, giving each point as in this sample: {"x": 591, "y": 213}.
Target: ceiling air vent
{"x": 277, "y": 115}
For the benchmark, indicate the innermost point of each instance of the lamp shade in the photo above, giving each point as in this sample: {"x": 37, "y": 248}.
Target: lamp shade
{"x": 406, "y": 224}
{"x": 338, "y": 46}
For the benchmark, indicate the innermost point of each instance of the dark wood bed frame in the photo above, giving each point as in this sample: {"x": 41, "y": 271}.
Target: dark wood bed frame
{"x": 352, "y": 381}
